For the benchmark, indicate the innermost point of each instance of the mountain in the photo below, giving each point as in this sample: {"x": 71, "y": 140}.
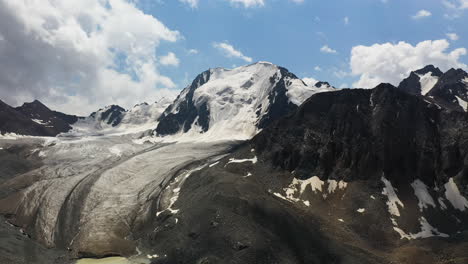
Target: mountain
{"x": 41, "y": 114}
{"x": 347, "y": 177}
{"x": 115, "y": 119}
{"x": 324, "y": 86}
{"x": 111, "y": 115}
{"x": 452, "y": 90}
{"x": 422, "y": 81}
{"x": 34, "y": 119}
{"x": 237, "y": 103}
{"x": 373, "y": 176}
{"x": 146, "y": 113}
{"x": 448, "y": 90}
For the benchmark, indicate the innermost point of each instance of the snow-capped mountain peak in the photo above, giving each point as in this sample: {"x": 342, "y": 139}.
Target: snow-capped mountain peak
{"x": 234, "y": 103}
{"x": 421, "y": 81}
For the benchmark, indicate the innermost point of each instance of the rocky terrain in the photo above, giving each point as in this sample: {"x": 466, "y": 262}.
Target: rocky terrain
{"x": 321, "y": 176}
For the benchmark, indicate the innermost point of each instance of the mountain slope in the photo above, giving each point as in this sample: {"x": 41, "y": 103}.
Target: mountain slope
{"x": 354, "y": 176}
{"x": 41, "y": 114}
{"x": 452, "y": 90}
{"x": 33, "y": 119}
{"x": 236, "y": 103}
{"x": 422, "y": 81}
{"x": 115, "y": 119}
{"x": 448, "y": 90}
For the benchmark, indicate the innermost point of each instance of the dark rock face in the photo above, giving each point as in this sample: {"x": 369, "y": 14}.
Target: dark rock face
{"x": 279, "y": 102}
{"x": 452, "y": 84}
{"x": 226, "y": 218}
{"x": 182, "y": 116}
{"x": 241, "y": 212}
{"x": 12, "y": 121}
{"x": 363, "y": 134}
{"x": 322, "y": 84}
{"x": 112, "y": 115}
{"x": 20, "y": 120}
{"x": 451, "y": 87}
{"x": 60, "y": 122}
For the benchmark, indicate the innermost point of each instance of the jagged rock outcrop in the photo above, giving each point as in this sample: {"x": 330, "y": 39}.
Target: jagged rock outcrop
{"x": 361, "y": 134}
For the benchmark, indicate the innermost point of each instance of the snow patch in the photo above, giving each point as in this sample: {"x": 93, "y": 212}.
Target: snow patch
{"x": 442, "y": 204}
{"x": 154, "y": 256}
{"x": 361, "y": 210}
{"x": 393, "y": 200}
{"x": 425, "y": 199}
{"x": 452, "y": 193}
{"x": 372, "y": 197}
{"x": 427, "y": 82}
{"x": 233, "y": 160}
{"x": 463, "y": 104}
{"x": 341, "y": 220}
{"x": 333, "y": 185}
{"x": 213, "y": 164}
{"x": 314, "y": 182}
{"x": 40, "y": 122}
{"x": 178, "y": 181}
{"x": 426, "y": 231}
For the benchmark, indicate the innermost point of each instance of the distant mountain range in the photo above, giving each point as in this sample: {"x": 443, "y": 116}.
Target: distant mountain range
{"x": 223, "y": 103}
{"x": 251, "y": 165}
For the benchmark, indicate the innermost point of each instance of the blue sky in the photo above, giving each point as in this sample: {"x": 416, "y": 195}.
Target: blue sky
{"x": 291, "y": 34}
{"x": 80, "y": 55}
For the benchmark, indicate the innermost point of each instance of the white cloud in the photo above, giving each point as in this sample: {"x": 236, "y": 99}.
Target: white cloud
{"x": 421, "y": 14}
{"x": 326, "y": 49}
{"x": 346, "y": 20}
{"x": 191, "y": 3}
{"x": 244, "y": 3}
{"x": 193, "y": 51}
{"x": 455, "y": 8}
{"x": 248, "y": 3}
{"x": 78, "y": 55}
{"x": 230, "y": 52}
{"x": 391, "y": 63}
{"x": 456, "y": 4}
{"x": 452, "y": 36}
{"x": 309, "y": 81}
{"x": 169, "y": 60}
{"x": 317, "y": 68}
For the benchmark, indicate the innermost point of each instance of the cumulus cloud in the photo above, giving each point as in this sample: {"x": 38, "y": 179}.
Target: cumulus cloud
{"x": 326, "y": 49}
{"x": 421, "y": 14}
{"x": 170, "y": 60}
{"x": 391, "y": 62}
{"x": 230, "y": 52}
{"x": 317, "y": 68}
{"x": 309, "y": 81}
{"x": 452, "y": 36}
{"x": 78, "y": 55}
